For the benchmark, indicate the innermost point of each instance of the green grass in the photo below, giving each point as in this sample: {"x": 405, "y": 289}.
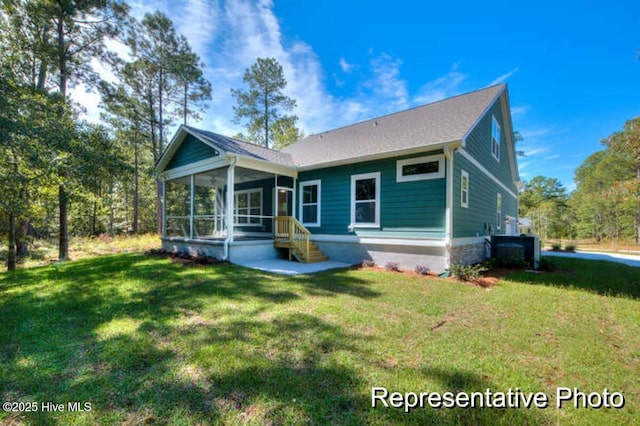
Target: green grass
{"x": 145, "y": 340}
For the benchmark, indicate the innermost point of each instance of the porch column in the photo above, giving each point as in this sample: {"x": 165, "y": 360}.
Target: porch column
{"x": 192, "y": 207}
{"x": 294, "y": 206}
{"x": 231, "y": 178}
{"x": 164, "y": 209}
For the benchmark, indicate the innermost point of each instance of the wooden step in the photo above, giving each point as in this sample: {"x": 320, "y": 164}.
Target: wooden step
{"x": 314, "y": 256}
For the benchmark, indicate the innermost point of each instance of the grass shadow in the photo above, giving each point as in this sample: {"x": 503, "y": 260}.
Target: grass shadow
{"x": 132, "y": 335}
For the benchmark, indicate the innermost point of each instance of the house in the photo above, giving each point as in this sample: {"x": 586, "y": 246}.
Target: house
{"x": 425, "y": 186}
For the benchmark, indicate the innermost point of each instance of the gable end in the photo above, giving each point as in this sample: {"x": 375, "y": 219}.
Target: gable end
{"x": 190, "y": 151}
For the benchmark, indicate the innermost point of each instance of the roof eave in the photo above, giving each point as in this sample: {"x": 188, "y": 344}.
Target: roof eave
{"x": 382, "y": 155}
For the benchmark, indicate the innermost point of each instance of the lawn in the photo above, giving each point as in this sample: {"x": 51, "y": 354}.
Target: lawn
{"x": 145, "y": 340}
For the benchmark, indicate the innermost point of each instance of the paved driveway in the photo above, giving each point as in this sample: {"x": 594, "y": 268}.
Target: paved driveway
{"x": 627, "y": 259}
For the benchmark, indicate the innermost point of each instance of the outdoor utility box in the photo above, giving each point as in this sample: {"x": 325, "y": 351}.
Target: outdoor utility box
{"x": 510, "y": 251}
{"x": 510, "y": 246}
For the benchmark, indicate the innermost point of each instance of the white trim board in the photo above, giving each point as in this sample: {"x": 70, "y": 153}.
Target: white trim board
{"x": 354, "y": 239}
{"x": 465, "y": 241}
{"x": 486, "y": 172}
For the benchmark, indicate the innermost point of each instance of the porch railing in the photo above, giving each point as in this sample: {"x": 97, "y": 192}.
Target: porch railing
{"x": 292, "y": 234}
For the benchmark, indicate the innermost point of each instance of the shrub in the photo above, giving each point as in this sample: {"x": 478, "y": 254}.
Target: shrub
{"x": 368, "y": 263}
{"x": 422, "y": 270}
{"x": 546, "y": 264}
{"x": 392, "y": 266}
{"x": 467, "y": 272}
{"x": 514, "y": 262}
{"x": 570, "y": 247}
{"x": 556, "y": 247}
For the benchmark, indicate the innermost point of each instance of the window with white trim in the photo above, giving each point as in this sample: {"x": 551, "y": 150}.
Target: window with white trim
{"x": 247, "y": 208}
{"x": 499, "y": 212}
{"x": 420, "y": 168}
{"x": 310, "y": 203}
{"x": 365, "y": 200}
{"x": 495, "y": 138}
{"x": 464, "y": 189}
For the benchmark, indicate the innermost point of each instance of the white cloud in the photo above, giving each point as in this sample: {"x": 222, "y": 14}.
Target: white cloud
{"x": 229, "y": 35}
{"x": 385, "y": 85}
{"x": 504, "y": 76}
{"x": 519, "y": 110}
{"x": 346, "y": 66}
{"x": 442, "y": 87}
{"x": 535, "y": 151}
{"x": 533, "y": 134}
{"x": 204, "y": 34}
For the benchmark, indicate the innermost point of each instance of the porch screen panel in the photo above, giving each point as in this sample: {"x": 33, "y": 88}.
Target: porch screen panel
{"x": 255, "y": 207}
{"x": 178, "y": 207}
{"x": 205, "y": 221}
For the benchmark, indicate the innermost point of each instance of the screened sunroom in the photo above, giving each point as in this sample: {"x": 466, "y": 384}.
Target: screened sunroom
{"x": 221, "y": 194}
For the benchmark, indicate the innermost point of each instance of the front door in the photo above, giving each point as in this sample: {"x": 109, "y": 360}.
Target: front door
{"x": 284, "y": 202}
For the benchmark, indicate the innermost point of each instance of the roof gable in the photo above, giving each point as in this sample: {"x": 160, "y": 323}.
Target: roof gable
{"x": 430, "y": 125}
{"x": 190, "y": 150}
{"x": 190, "y": 145}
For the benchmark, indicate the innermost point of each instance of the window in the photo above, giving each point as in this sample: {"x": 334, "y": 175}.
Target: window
{"x": 495, "y": 138}
{"x": 421, "y": 168}
{"x": 464, "y": 189}
{"x": 247, "y": 208}
{"x": 310, "y": 203}
{"x": 499, "y": 212}
{"x": 365, "y": 200}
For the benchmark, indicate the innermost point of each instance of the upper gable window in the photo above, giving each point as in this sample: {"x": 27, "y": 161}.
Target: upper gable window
{"x": 421, "y": 168}
{"x": 495, "y": 138}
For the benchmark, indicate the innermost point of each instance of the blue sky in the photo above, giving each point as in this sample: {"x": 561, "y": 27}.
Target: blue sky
{"x": 572, "y": 67}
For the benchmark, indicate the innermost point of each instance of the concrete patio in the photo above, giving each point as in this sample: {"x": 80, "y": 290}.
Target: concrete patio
{"x": 284, "y": 267}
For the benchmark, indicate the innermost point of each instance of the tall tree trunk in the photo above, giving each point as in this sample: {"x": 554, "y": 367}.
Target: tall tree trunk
{"x": 25, "y": 229}
{"x": 94, "y": 213}
{"x": 186, "y": 93}
{"x": 160, "y": 149}
{"x": 63, "y": 246}
{"x": 111, "y": 212}
{"x": 266, "y": 120}
{"x": 136, "y": 188}
{"x": 11, "y": 258}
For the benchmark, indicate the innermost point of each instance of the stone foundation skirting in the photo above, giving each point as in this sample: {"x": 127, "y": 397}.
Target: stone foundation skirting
{"x": 469, "y": 254}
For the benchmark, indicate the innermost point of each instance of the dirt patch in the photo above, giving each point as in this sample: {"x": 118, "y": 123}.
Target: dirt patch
{"x": 487, "y": 280}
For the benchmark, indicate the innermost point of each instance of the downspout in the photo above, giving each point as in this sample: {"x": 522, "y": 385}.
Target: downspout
{"x": 231, "y": 175}
{"x": 448, "y": 153}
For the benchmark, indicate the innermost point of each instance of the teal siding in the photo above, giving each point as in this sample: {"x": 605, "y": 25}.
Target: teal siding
{"x": 478, "y": 144}
{"x": 408, "y": 209}
{"x": 480, "y": 216}
{"x": 190, "y": 151}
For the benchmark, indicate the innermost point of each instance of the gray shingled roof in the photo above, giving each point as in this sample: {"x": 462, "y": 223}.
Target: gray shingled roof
{"x": 444, "y": 121}
{"x": 235, "y": 146}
